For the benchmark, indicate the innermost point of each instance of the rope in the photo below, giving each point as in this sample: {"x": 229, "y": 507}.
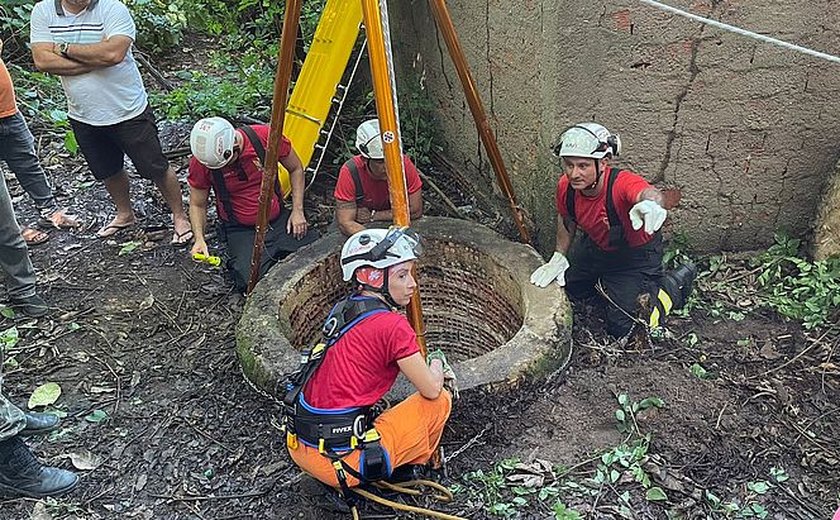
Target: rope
{"x": 405, "y": 507}
{"x": 408, "y": 486}
{"x": 742, "y": 32}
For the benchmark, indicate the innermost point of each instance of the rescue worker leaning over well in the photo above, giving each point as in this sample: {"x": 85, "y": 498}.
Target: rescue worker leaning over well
{"x": 332, "y": 431}
{"x": 621, "y": 216}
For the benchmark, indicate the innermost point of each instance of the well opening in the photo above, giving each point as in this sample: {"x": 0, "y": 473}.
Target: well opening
{"x": 471, "y": 304}
{"x": 478, "y": 307}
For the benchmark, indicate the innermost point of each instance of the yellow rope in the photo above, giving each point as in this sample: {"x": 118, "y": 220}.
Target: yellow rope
{"x": 404, "y": 507}
{"x": 445, "y": 495}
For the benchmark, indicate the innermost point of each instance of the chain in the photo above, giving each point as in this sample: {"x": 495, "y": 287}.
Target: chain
{"x": 466, "y": 446}
{"x": 257, "y": 389}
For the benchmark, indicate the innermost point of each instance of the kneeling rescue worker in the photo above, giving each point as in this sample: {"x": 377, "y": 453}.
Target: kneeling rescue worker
{"x": 621, "y": 215}
{"x": 332, "y": 432}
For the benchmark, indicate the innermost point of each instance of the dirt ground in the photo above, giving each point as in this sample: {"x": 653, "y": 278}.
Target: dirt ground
{"x": 144, "y": 334}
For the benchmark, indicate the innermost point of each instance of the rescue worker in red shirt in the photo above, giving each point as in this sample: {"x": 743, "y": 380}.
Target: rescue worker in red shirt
{"x": 332, "y": 432}
{"x": 621, "y": 215}
{"x": 230, "y": 161}
{"x": 361, "y": 192}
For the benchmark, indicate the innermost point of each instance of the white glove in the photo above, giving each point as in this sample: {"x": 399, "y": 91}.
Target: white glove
{"x": 649, "y": 213}
{"x": 554, "y": 269}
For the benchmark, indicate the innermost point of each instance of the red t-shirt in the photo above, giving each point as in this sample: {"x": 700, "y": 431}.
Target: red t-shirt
{"x": 591, "y": 212}
{"x": 362, "y": 366}
{"x": 377, "y": 196}
{"x": 242, "y": 179}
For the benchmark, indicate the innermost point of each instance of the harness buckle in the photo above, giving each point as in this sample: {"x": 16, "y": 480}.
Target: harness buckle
{"x": 330, "y": 327}
{"x": 291, "y": 440}
{"x": 371, "y": 436}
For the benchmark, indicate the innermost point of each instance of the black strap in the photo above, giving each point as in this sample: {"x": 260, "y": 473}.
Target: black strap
{"x": 347, "y": 313}
{"x": 570, "y": 204}
{"x": 255, "y": 142}
{"x": 357, "y": 180}
{"x": 260, "y": 151}
{"x": 616, "y": 235}
{"x": 223, "y": 194}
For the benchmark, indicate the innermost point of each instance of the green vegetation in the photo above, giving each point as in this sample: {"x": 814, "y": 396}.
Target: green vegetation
{"x": 14, "y": 27}
{"x": 623, "y": 480}
{"x": 512, "y": 485}
{"x": 797, "y": 288}
{"x": 629, "y": 410}
{"x": 161, "y": 25}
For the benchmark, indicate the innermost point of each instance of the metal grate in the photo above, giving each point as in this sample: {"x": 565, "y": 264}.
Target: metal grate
{"x": 471, "y": 304}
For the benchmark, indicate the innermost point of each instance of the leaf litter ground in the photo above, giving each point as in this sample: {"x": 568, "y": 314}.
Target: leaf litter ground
{"x": 141, "y": 342}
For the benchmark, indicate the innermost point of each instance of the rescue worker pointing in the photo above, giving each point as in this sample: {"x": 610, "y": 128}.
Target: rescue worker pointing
{"x": 332, "y": 431}
{"x": 621, "y": 215}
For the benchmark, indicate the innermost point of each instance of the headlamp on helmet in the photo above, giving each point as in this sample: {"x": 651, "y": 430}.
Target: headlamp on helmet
{"x": 369, "y": 140}
{"x": 379, "y": 248}
{"x": 589, "y": 140}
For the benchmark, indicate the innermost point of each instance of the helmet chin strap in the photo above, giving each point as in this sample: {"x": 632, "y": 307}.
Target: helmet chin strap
{"x": 384, "y": 291}
{"x": 597, "y": 176}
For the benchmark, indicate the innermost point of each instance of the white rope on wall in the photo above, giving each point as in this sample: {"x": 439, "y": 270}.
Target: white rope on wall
{"x": 742, "y": 32}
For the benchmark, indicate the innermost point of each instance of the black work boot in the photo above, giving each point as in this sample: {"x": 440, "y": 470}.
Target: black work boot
{"x": 38, "y": 423}
{"x": 679, "y": 283}
{"x": 33, "y": 306}
{"x": 22, "y": 475}
{"x": 408, "y": 472}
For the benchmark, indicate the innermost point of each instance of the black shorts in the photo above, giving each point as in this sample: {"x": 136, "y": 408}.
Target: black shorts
{"x": 105, "y": 147}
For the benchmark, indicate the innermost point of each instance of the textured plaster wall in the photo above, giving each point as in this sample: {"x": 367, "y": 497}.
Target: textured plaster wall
{"x": 747, "y": 130}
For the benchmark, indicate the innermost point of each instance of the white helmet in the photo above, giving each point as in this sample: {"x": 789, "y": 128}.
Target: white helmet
{"x": 379, "y": 248}
{"x": 368, "y": 140}
{"x": 211, "y": 142}
{"x": 588, "y": 140}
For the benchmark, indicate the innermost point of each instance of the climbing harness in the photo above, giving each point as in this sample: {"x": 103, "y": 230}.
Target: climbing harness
{"x": 337, "y": 433}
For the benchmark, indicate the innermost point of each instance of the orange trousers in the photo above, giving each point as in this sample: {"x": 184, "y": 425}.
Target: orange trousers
{"x": 410, "y": 434}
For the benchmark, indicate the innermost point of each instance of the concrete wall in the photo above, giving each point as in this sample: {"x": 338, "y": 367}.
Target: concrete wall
{"x": 747, "y": 130}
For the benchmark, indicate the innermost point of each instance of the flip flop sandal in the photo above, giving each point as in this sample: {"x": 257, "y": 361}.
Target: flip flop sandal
{"x": 117, "y": 228}
{"x": 182, "y": 239}
{"x": 33, "y": 236}
{"x": 46, "y": 221}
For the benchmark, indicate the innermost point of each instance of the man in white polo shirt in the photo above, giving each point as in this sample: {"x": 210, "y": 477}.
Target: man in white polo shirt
{"x": 88, "y": 43}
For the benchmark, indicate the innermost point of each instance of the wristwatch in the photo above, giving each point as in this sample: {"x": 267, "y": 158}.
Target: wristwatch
{"x": 63, "y": 47}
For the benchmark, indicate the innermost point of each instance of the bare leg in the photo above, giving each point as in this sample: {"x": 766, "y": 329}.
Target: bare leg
{"x": 170, "y": 188}
{"x": 117, "y": 186}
